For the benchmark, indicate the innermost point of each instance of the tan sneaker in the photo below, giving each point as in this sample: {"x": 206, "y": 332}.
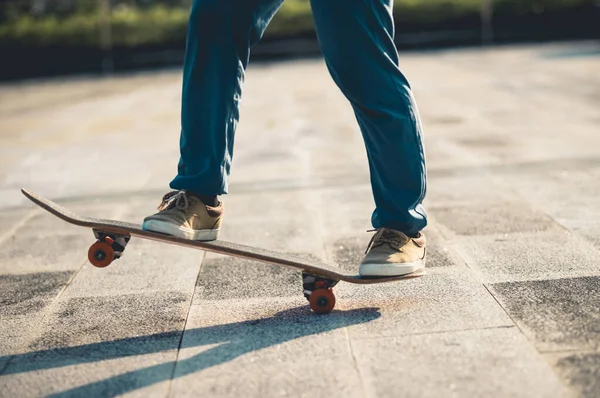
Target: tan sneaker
{"x": 184, "y": 215}
{"x": 392, "y": 253}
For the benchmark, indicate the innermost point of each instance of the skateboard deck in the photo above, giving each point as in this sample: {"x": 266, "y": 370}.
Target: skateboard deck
{"x": 113, "y": 235}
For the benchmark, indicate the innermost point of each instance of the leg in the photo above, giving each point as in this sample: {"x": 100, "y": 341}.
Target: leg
{"x": 220, "y": 34}
{"x": 356, "y": 38}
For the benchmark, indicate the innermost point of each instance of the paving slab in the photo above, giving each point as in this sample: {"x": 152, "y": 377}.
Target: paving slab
{"x": 443, "y": 300}
{"x": 493, "y": 218}
{"x": 23, "y": 301}
{"x": 289, "y": 232}
{"x": 14, "y": 334}
{"x": 440, "y": 252}
{"x": 581, "y": 371}
{"x": 225, "y": 277}
{"x": 46, "y": 243}
{"x": 344, "y": 210}
{"x": 565, "y": 190}
{"x": 495, "y": 362}
{"x": 528, "y": 256}
{"x": 32, "y": 254}
{"x": 146, "y": 266}
{"x": 591, "y": 233}
{"x": 11, "y": 220}
{"x": 23, "y": 294}
{"x": 101, "y": 346}
{"x": 275, "y": 347}
{"x": 558, "y": 314}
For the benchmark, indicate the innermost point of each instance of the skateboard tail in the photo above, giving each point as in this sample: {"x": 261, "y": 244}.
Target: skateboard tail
{"x": 54, "y": 208}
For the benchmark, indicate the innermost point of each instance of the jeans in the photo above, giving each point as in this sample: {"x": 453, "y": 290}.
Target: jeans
{"x": 356, "y": 38}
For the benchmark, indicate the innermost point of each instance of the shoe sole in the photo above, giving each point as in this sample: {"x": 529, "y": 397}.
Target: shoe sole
{"x": 181, "y": 232}
{"x": 387, "y": 269}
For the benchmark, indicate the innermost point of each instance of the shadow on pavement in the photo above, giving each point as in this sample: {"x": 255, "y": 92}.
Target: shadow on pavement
{"x": 236, "y": 339}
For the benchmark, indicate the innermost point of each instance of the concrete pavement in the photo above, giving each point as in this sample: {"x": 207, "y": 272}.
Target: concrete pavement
{"x": 509, "y": 307}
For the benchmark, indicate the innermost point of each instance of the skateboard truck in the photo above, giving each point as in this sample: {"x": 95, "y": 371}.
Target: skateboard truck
{"x": 319, "y": 292}
{"x": 107, "y": 248}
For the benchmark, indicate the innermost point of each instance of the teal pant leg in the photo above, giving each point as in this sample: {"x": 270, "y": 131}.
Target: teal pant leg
{"x": 220, "y": 34}
{"x": 356, "y": 37}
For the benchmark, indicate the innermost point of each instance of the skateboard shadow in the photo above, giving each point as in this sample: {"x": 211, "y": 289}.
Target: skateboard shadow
{"x": 233, "y": 339}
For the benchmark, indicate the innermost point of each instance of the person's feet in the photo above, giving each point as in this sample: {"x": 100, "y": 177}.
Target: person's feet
{"x": 392, "y": 253}
{"x": 184, "y": 215}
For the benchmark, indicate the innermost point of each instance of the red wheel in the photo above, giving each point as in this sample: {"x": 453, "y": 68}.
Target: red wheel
{"x": 322, "y": 301}
{"x": 101, "y": 254}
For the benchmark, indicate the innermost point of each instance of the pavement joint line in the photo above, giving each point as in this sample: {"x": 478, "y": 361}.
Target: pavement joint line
{"x": 551, "y": 278}
{"x": 250, "y": 301}
{"x": 571, "y": 351}
{"x": 355, "y": 363}
{"x": 391, "y": 336}
{"x": 328, "y": 257}
{"x": 503, "y": 183}
{"x": 18, "y": 225}
{"x": 475, "y": 161}
{"x": 454, "y": 240}
{"x": 505, "y": 310}
{"x": 477, "y": 273}
{"x": 577, "y": 237}
{"x": 570, "y": 163}
{"x": 323, "y": 184}
{"x": 320, "y": 231}
{"x": 47, "y": 310}
{"x": 481, "y": 170}
{"x": 440, "y": 228}
{"x": 455, "y": 255}
{"x": 187, "y": 316}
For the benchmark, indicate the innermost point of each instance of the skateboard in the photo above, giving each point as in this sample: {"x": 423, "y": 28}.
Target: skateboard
{"x": 112, "y": 236}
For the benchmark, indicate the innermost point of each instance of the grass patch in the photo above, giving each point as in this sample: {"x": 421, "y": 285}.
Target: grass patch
{"x": 163, "y": 25}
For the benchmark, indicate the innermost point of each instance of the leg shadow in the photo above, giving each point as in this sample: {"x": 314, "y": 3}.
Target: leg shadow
{"x": 234, "y": 340}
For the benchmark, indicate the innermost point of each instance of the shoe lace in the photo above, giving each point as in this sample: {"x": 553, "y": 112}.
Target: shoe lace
{"x": 174, "y": 199}
{"x": 385, "y": 236}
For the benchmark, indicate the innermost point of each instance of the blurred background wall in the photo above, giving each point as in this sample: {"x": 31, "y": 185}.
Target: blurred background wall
{"x": 57, "y": 37}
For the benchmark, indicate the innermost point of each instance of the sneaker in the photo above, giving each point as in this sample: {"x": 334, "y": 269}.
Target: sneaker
{"x": 184, "y": 215}
{"x": 392, "y": 253}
